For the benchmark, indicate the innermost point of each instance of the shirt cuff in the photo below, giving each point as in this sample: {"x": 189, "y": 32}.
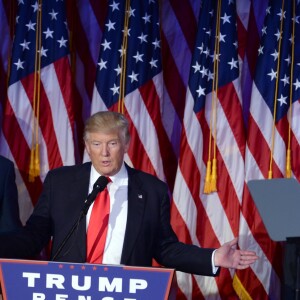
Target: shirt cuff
{"x": 214, "y": 268}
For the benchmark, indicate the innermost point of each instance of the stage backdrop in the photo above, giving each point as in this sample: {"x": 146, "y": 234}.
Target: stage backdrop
{"x": 212, "y": 92}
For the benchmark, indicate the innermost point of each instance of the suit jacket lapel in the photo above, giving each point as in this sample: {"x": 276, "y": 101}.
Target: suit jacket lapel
{"x": 136, "y": 208}
{"x": 82, "y": 181}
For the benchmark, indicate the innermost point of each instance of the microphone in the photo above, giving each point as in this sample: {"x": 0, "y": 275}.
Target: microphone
{"x": 98, "y": 187}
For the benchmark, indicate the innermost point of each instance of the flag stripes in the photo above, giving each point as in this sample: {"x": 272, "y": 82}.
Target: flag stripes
{"x": 170, "y": 126}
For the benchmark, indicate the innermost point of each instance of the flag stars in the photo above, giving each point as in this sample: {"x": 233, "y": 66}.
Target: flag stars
{"x": 264, "y": 30}
{"x": 62, "y": 42}
{"x": 200, "y": 91}
{"x": 210, "y": 75}
{"x": 296, "y": 19}
{"x": 285, "y": 80}
{"x": 143, "y": 38}
{"x": 122, "y": 51}
{"x": 146, "y": 18}
{"x": 216, "y": 57}
{"x": 133, "y": 76}
{"x": 118, "y": 69}
{"x": 281, "y": 14}
{"x": 233, "y": 64}
{"x": 106, "y": 45}
{"x": 102, "y": 64}
{"x": 288, "y": 60}
{"x": 203, "y": 71}
{"x": 126, "y": 31}
{"x": 156, "y": 44}
{"x": 43, "y": 51}
{"x": 25, "y": 45}
{"x": 282, "y": 100}
{"x": 114, "y": 6}
{"x": 115, "y": 89}
{"x": 196, "y": 67}
{"x": 110, "y": 25}
{"x": 153, "y": 63}
{"x": 30, "y": 26}
{"x": 138, "y": 57}
{"x": 131, "y": 12}
{"x": 261, "y": 50}
{"x": 201, "y": 47}
{"x": 206, "y": 52}
{"x": 272, "y": 74}
{"x": 297, "y": 84}
{"x": 53, "y": 15}
{"x": 35, "y": 6}
{"x": 208, "y": 32}
{"x": 48, "y": 33}
{"x": 275, "y": 55}
{"x": 278, "y": 34}
{"x": 19, "y": 64}
{"x": 222, "y": 37}
{"x": 225, "y": 19}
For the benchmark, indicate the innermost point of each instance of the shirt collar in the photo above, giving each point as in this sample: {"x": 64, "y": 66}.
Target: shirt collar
{"x": 116, "y": 179}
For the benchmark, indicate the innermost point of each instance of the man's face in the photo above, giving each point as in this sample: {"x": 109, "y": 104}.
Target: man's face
{"x": 106, "y": 151}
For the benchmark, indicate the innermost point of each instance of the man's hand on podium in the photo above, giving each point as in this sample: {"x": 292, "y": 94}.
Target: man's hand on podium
{"x": 228, "y": 256}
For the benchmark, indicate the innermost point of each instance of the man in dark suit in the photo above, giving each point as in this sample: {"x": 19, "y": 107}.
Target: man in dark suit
{"x": 9, "y": 207}
{"x": 139, "y": 227}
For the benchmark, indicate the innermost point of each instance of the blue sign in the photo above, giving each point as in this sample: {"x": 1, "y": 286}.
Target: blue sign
{"x": 39, "y": 280}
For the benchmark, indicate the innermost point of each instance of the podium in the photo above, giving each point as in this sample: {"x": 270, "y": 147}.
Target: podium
{"x": 278, "y": 203}
{"x": 41, "y": 280}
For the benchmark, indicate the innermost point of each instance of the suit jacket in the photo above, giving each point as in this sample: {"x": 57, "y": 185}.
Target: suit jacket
{"x": 148, "y": 232}
{"x": 9, "y": 207}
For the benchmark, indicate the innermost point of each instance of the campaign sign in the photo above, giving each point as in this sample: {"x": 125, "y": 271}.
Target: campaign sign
{"x": 40, "y": 280}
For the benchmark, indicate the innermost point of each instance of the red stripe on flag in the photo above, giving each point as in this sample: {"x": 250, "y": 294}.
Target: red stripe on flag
{"x": 233, "y": 111}
{"x": 253, "y": 40}
{"x": 20, "y": 152}
{"x": 79, "y": 41}
{"x": 172, "y": 79}
{"x": 45, "y": 122}
{"x": 252, "y": 284}
{"x": 186, "y": 19}
{"x": 169, "y": 159}
{"x": 197, "y": 294}
{"x": 100, "y": 10}
{"x": 73, "y": 103}
{"x": 256, "y": 140}
{"x": 179, "y": 226}
{"x": 187, "y": 163}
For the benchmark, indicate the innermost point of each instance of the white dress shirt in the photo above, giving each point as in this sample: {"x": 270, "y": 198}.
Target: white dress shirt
{"x": 118, "y": 214}
{"x": 118, "y": 193}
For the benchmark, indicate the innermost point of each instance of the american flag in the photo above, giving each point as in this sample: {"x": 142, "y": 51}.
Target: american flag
{"x": 6, "y": 14}
{"x": 170, "y": 117}
{"x": 39, "y": 108}
{"x": 212, "y": 109}
{"x": 129, "y": 78}
{"x": 273, "y": 129}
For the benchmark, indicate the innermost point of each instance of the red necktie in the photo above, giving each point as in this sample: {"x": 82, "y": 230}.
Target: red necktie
{"x": 97, "y": 228}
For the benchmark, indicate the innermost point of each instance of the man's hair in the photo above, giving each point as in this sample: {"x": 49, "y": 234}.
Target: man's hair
{"x": 107, "y": 121}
